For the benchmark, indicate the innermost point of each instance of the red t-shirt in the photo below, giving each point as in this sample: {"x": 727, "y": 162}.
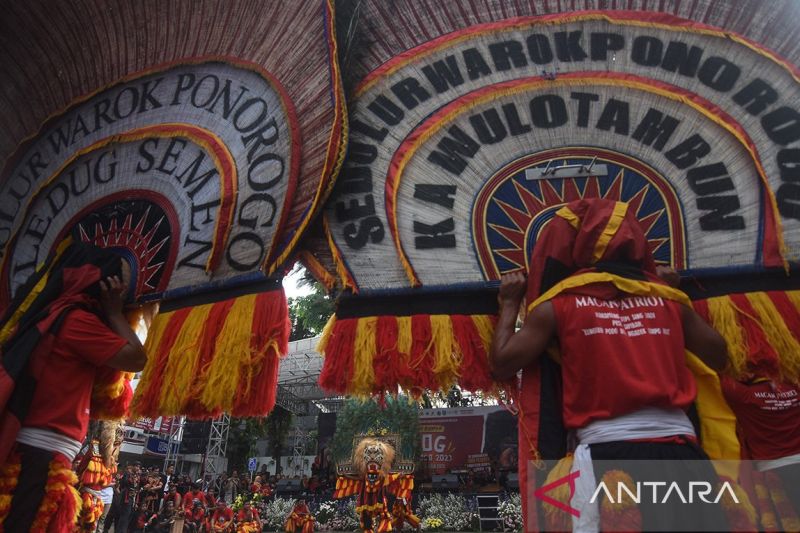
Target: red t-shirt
{"x": 240, "y": 516}
{"x": 768, "y": 416}
{"x": 189, "y": 497}
{"x": 195, "y": 515}
{"x": 65, "y": 376}
{"x": 224, "y": 515}
{"x": 620, "y": 355}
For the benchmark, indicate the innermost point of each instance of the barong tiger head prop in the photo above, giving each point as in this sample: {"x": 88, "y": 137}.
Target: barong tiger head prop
{"x": 373, "y": 458}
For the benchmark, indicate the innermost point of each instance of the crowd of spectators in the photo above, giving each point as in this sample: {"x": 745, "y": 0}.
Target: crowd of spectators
{"x": 147, "y": 499}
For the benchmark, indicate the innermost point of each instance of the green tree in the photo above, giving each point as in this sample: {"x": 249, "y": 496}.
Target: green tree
{"x": 310, "y": 313}
{"x": 242, "y": 438}
{"x": 244, "y": 433}
{"x": 277, "y": 428}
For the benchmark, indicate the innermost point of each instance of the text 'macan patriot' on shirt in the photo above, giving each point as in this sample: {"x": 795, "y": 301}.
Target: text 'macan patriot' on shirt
{"x": 627, "y": 324}
{"x": 635, "y": 342}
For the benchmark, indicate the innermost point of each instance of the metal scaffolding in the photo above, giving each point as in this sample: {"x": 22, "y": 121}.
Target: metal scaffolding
{"x": 299, "y": 443}
{"x": 299, "y": 372}
{"x": 174, "y": 443}
{"x": 217, "y": 446}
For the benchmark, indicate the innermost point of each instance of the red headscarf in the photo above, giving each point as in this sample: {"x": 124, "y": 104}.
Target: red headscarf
{"x": 590, "y": 235}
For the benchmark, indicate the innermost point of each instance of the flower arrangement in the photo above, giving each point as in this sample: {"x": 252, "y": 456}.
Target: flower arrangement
{"x": 456, "y": 512}
{"x": 276, "y": 512}
{"x": 344, "y": 516}
{"x": 237, "y": 503}
{"x": 432, "y": 523}
{"x": 327, "y": 511}
{"x": 510, "y": 512}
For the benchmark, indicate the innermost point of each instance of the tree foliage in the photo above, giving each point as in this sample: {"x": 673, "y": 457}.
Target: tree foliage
{"x": 310, "y": 313}
{"x": 277, "y": 424}
{"x": 242, "y": 437}
{"x": 245, "y": 432}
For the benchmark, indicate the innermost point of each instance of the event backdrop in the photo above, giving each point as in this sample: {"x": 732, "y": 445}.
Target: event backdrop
{"x": 199, "y": 139}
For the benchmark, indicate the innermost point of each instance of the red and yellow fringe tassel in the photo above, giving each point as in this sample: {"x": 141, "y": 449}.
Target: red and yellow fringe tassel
{"x": 217, "y": 357}
{"x": 372, "y": 355}
{"x": 61, "y": 504}
{"x": 96, "y": 475}
{"x": 762, "y": 330}
{"x": 9, "y": 476}
{"x": 91, "y": 511}
{"x": 624, "y": 514}
{"x": 317, "y": 270}
{"x": 775, "y": 512}
{"x": 741, "y": 514}
{"x": 556, "y": 519}
{"x": 111, "y": 395}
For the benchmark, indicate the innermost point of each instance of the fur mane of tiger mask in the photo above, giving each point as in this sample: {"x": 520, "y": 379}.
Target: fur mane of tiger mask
{"x": 374, "y": 458}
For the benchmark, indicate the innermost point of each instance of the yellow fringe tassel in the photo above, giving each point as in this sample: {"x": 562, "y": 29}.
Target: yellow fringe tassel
{"x": 722, "y": 313}
{"x": 232, "y": 352}
{"x": 363, "y": 351}
{"x": 446, "y": 351}
{"x": 741, "y": 504}
{"x": 794, "y": 297}
{"x": 485, "y": 327}
{"x": 555, "y": 517}
{"x": 182, "y": 366}
{"x": 404, "y": 337}
{"x": 778, "y": 335}
{"x": 613, "y": 478}
{"x": 151, "y": 345}
{"x": 326, "y": 334}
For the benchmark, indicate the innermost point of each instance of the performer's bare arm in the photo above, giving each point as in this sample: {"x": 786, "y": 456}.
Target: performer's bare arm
{"x": 132, "y": 357}
{"x": 512, "y": 351}
{"x": 703, "y": 340}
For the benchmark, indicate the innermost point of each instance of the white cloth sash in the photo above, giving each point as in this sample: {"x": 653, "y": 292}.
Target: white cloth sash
{"x": 48, "y": 440}
{"x": 771, "y": 464}
{"x": 648, "y": 423}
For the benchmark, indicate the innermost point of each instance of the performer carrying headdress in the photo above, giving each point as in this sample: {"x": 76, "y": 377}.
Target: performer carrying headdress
{"x": 63, "y": 325}
{"x": 621, "y": 332}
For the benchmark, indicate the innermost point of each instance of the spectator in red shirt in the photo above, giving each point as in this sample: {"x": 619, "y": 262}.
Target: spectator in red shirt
{"x": 211, "y": 498}
{"x": 194, "y": 494}
{"x": 247, "y": 519}
{"x": 195, "y": 517}
{"x": 255, "y": 487}
{"x": 222, "y": 519}
{"x": 63, "y": 325}
{"x": 172, "y": 496}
